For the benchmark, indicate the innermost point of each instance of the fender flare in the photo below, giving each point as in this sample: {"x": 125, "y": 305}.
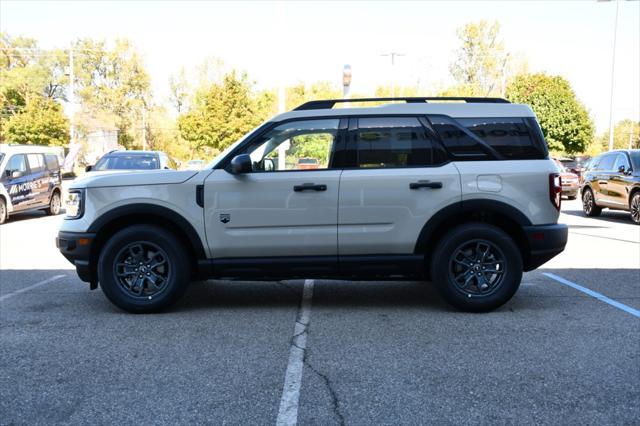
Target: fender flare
{"x": 152, "y": 210}
{"x": 462, "y": 208}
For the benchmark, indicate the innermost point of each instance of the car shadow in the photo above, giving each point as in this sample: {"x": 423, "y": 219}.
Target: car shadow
{"x": 606, "y": 216}
{"x": 29, "y": 215}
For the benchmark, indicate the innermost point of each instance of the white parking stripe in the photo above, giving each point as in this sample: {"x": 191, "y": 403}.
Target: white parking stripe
{"x": 22, "y": 290}
{"x": 288, "y": 412}
{"x": 595, "y": 294}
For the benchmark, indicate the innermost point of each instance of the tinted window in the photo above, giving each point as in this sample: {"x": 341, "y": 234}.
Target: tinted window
{"x": 17, "y": 163}
{"x": 621, "y": 160}
{"x": 51, "y": 162}
{"x": 635, "y": 159}
{"x": 128, "y": 162}
{"x": 394, "y": 142}
{"x": 296, "y": 145}
{"x": 461, "y": 144}
{"x": 36, "y": 163}
{"x": 606, "y": 162}
{"x": 511, "y": 137}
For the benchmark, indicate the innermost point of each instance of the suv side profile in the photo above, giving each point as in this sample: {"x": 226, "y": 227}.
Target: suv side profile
{"x": 612, "y": 180}
{"x": 460, "y": 193}
{"x": 30, "y": 179}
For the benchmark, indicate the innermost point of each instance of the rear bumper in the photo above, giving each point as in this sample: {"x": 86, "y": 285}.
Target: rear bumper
{"x": 76, "y": 247}
{"x": 545, "y": 243}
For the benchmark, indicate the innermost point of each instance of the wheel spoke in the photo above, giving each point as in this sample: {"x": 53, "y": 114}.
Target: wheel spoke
{"x": 142, "y": 269}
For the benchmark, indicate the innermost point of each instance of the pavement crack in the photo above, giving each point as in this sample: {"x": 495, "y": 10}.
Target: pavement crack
{"x": 335, "y": 402}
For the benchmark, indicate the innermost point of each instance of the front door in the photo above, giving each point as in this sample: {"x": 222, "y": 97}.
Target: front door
{"x": 619, "y": 181}
{"x": 288, "y": 204}
{"x": 400, "y": 179}
{"x": 17, "y": 182}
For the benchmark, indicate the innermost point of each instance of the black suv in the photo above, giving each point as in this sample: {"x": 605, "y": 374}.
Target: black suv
{"x": 612, "y": 180}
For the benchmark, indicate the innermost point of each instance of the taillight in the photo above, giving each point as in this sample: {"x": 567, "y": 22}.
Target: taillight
{"x": 555, "y": 190}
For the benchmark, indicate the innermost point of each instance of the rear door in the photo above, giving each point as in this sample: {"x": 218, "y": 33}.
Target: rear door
{"x": 603, "y": 174}
{"x": 399, "y": 177}
{"x": 38, "y": 179}
{"x": 619, "y": 181}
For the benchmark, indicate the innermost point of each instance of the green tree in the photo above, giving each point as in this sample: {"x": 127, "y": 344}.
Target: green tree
{"x": 480, "y": 61}
{"x": 41, "y": 122}
{"x": 221, "y": 114}
{"x": 626, "y": 134}
{"x": 565, "y": 121}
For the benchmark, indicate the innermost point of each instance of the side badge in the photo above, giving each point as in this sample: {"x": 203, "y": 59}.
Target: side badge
{"x": 225, "y": 218}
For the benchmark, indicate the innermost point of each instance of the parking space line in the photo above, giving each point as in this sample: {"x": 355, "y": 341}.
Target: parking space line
{"x": 31, "y": 287}
{"x": 288, "y": 411}
{"x": 595, "y": 294}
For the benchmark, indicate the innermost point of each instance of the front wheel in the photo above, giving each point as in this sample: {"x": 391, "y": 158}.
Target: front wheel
{"x": 476, "y": 267}
{"x": 143, "y": 269}
{"x": 54, "y": 204}
{"x": 3, "y": 211}
{"x": 634, "y": 208}
{"x": 589, "y": 206}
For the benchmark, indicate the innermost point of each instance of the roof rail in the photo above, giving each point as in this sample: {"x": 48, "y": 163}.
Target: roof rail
{"x": 330, "y": 103}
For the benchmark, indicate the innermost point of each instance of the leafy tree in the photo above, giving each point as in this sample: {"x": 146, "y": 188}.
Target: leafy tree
{"x": 113, "y": 81}
{"x": 221, "y": 114}
{"x": 480, "y": 59}
{"x": 179, "y": 91}
{"x": 565, "y": 122}
{"x": 41, "y": 122}
{"x": 625, "y": 133}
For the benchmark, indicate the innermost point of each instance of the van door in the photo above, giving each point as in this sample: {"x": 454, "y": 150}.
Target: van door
{"x": 38, "y": 180}
{"x": 401, "y": 177}
{"x": 16, "y": 181}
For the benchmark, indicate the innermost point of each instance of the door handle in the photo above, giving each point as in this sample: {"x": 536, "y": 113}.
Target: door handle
{"x": 425, "y": 184}
{"x": 602, "y": 182}
{"x": 309, "y": 187}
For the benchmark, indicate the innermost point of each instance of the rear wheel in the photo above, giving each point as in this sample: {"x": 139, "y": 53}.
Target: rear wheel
{"x": 54, "y": 204}
{"x": 476, "y": 267}
{"x": 589, "y": 206}
{"x": 634, "y": 207}
{"x": 3, "y": 211}
{"x": 143, "y": 269}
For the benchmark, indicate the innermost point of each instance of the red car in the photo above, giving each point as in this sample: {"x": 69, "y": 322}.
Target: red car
{"x": 570, "y": 181}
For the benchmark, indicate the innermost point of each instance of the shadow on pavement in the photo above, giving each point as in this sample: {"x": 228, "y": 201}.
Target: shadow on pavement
{"x": 606, "y": 216}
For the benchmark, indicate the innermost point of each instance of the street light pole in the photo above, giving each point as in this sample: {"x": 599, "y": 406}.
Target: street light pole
{"x": 613, "y": 68}
{"x": 72, "y": 100}
{"x": 393, "y": 62}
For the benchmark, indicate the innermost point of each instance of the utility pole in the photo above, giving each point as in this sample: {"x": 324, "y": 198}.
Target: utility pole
{"x": 346, "y": 82}
{"x": 613, "y": 68}
{"x": 72, "y": 100}
{"x": 144, "y": 128}
{"x": 393, "y": 56}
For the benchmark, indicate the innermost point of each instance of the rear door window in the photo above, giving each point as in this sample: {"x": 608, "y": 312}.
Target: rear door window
{"x": 383, "y": 142}
{"x": 606, "y": 163}
{"x": 52, "y": 162}
{"x": 36, "y": 163}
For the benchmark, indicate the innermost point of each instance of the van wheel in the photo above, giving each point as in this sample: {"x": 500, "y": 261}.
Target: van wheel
{"x": 54, "y": 204}
{"x": 3, "y": 211}
{"x": 476, "y": 267}
{"x": 143, "y": 269}
{"x": 589, "y": 206}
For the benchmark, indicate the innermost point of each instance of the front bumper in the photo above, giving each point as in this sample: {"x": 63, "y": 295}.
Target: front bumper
{"x": 545, "y": 242}
{"x": 76, "y": 247}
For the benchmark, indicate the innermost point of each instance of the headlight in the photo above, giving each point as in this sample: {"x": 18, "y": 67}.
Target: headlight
{"x": 75, "y": 203}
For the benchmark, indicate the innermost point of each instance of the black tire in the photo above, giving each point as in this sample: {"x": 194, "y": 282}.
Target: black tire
{"x": 634, "y": 208}
{"x": 589, "y": 206}
{"x": 472, "y": 296}
{"x": 55, "y": 204}
{"x": 127, "y": 253}
{"x": 3, "y": 211}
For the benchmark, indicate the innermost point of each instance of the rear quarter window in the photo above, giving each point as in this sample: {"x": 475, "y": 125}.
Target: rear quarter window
{"x": 51, "y": 161}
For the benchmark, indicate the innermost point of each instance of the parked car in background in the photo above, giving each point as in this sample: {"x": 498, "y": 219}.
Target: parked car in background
{"x": 30, "y": 179}
{"x": 570, "y": 182}
{"x": 612, "y": 180}
{"x": 308, "y": 164}
{"x": 132, "y": 160}
{"x": 194, "y": 165}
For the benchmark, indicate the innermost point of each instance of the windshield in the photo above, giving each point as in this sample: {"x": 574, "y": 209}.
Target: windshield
{"x": 635, "y": 160}
{"x": 128, "y": 162}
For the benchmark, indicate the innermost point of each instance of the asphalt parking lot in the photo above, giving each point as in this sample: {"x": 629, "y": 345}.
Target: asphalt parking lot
{"x": 564, "y": 350}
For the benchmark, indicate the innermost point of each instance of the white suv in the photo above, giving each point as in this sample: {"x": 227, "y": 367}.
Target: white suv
{"x": 460, "y": 193}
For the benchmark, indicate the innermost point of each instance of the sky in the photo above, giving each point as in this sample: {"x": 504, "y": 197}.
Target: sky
{"x": 288, "y": 42}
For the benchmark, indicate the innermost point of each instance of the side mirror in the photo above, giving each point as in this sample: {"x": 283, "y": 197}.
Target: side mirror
{"x": 269, "y": 164}
{"x": 88, "y": 168}
{"x": 241, "y": 164}
{"x": 621, "y": 169}
{"x": 16, "y": 174}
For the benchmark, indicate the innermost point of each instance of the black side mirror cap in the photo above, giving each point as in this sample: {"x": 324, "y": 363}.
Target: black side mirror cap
{"x": 621, "y": 169}
{"x": 88, "y": 168}
{"x": 241, "y": 164}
